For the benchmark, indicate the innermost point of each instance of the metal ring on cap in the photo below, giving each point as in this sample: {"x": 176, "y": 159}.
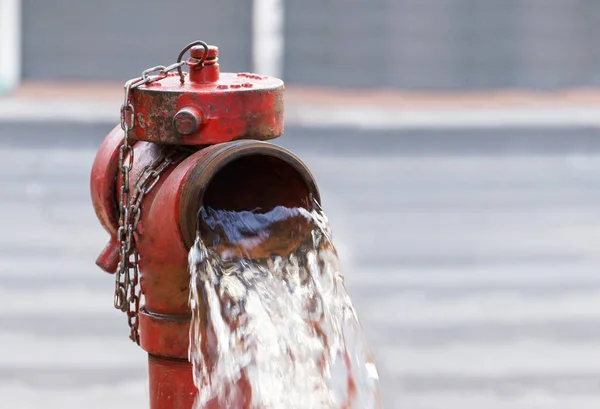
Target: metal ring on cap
{"x": 190, "y": 45}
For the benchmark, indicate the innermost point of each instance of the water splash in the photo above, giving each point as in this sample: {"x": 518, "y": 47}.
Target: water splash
{"x": 278, "y": 331}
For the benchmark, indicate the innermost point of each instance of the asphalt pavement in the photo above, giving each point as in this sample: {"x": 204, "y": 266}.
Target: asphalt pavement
{"x": 472, "y": 257}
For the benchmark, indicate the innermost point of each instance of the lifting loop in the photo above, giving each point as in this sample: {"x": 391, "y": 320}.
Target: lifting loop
{"x": 179, "y": 70}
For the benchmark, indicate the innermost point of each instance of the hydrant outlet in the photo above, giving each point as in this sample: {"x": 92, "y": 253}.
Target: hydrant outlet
{"x": 244, "y": 175}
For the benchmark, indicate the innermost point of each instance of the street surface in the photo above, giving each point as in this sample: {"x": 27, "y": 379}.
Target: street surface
{"x": 473, "y": 259}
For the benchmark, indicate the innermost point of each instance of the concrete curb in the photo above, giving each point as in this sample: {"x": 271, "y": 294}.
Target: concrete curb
{"x": 312, "y": 116}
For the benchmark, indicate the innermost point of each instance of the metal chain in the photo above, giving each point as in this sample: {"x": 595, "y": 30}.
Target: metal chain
{"x": 127, "y": 293}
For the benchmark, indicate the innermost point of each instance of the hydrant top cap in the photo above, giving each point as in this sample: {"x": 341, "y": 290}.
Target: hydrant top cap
{"x": 198, "y": 52}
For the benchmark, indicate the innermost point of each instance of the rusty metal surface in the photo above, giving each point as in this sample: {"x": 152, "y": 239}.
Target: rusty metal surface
{"x": 238, "y": 106}
{"x": 187, "y": 120}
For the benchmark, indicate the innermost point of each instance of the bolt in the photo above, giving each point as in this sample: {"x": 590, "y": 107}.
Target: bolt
{"x": 187, "y": 120}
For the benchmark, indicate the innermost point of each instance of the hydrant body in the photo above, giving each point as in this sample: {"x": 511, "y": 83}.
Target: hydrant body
{"x": 213, "y": 126}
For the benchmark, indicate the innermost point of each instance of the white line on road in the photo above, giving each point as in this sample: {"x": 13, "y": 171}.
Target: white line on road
{"x": 56, "y": 301}
{"x": 29, "y": 351}
{"x": 418, "y": 310}
{"x": 521, "y": 358}
{"x": 126, "y": 395}
{"x": 519, "y": 399}
{"x": 465, "y": 277}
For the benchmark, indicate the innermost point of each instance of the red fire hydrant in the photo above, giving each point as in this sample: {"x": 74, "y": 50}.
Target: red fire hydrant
{"x": 185, "y": 140}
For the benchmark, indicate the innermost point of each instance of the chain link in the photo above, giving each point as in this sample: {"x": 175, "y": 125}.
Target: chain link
{"x": 127, "y": 292}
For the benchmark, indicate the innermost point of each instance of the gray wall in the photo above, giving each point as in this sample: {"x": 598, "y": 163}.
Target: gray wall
{"x": 443, "y": 44}
{"x": 116, "y": 40}
{"x": 413, "y": 44}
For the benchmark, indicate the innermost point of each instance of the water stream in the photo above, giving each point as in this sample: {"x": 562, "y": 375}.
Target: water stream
{"x": 272, "y": 324}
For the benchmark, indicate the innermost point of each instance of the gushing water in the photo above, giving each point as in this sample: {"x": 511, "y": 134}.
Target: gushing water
{"x": 272, "y": 324}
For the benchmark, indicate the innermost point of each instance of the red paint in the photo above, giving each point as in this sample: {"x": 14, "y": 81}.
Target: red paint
{"x": 171, "y": 383}
{"x": 103, "y": 180}
{"x": 108, "y": 260}
{"x": 235, "y": 112}
{"x": 231, "y": 106}
{"x": 164, "y": 335}
{"x": 167, "y": 226}
{"x": 204, "y": 69}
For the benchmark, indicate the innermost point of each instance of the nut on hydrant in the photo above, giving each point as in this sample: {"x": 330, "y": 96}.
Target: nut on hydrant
{"x": 187, "y": 120}
{"x": 201, "y": 142}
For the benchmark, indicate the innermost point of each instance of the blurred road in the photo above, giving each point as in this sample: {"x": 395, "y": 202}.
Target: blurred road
{"x": 473, "y": 259}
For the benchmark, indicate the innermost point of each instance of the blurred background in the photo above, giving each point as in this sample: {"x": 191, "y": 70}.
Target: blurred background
{"x": 456, "y": 147}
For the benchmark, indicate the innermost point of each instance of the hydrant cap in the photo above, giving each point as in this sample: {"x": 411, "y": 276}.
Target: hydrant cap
{"x": 198, "y": 52}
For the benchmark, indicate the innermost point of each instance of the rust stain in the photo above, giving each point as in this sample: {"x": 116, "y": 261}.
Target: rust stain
{"x": 241, "y": 113}
{"x": 161, "y": 109}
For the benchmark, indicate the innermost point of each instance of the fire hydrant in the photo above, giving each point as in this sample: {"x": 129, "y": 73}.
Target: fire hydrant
{"x": 185, "y": 140}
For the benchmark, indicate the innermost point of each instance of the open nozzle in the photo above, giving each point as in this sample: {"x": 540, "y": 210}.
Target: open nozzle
{"x": 255, "y": 182}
